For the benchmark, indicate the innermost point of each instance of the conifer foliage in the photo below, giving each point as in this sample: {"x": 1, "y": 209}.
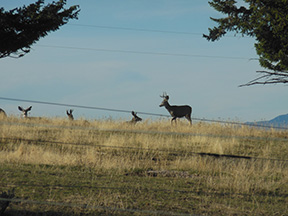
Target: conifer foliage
{"x": 265, "y": 20}
{"x": 21, "y": 27}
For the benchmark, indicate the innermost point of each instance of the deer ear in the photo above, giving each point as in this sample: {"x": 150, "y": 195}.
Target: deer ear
{"x": 29, "y": 108}
{"x": 167, "y": 97}
{"x": 20, "y": 108}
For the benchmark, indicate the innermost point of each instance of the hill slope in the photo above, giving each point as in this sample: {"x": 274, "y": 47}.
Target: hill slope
{"x": 279, "y": 121}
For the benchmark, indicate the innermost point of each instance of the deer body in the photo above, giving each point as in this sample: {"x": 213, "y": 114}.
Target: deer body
{"x": 135, "y": 118}
{"x": 25, "y": 113}
{"x": 177, "y": 111}
{"x": 2, "y": 113}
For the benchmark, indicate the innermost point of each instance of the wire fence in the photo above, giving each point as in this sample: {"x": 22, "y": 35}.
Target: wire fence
{"x": 127, "y": 188}
{"x": 99, "y": 130}
{"x": 140, "y": 188}
{"x": 142, "y": 113}
{"x": 145, "y": 52}
{"x": 174, "y": 153}
{"x": 93, "y": 207}
{"x": 132, "y": 131}
{"x": 149, "y": 132}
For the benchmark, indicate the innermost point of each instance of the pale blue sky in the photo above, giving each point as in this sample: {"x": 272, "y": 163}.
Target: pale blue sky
{"x": 207, "y": 78}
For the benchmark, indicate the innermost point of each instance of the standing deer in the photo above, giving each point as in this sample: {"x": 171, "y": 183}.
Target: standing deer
{"x": 135, "y": 118}
{"x": 176, "y": 111}
{"x": 25, "y": 111}
{"x": 69, "y": 114}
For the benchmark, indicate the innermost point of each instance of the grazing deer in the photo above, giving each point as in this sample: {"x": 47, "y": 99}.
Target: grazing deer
{"x": 25, "y": 111}
{"x": 2, "y": 113}
{"x": 176, "y": 111}
{"x": 135, "y": 118}
{"x": 69, "y": 114}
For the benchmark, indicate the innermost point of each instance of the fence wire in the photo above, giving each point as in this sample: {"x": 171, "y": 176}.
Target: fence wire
{"x": 142, "y": 113}
{"x": 171, "y": 152}
{"x": 129, "y": 188}
{"x": 176, "y": 153}
{"x": 96, "y": 129}
{"x": 93, "y": 207}
{"x": 125, "y": 131}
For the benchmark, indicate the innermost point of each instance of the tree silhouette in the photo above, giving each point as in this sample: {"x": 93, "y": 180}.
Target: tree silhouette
{"x": 265, "y": 20}
{"x": 22, "y": 27}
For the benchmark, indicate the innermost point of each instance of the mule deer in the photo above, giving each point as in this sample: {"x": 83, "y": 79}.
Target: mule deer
{"x": 25, "y": 111}
{"x": 176, "y": 111}
{"x": 2, "y": 113}
{"x": 69, "y": 114}
{"x": 135, "y": 118}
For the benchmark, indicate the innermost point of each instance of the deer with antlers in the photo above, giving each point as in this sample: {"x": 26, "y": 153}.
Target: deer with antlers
{"x": 176, "y": 111}
{"x": 69, "y": 114}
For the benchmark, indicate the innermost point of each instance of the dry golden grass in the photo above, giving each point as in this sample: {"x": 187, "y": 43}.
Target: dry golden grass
{"x": 118, "y": 148}
{"x": 108, "y": 144}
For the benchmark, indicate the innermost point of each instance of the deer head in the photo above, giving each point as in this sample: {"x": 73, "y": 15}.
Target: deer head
{"x": 165, "y": 99}
{"x": 24, "y": 111}
{"x": 69, "y": 114}
{"x": 135, "y": 117}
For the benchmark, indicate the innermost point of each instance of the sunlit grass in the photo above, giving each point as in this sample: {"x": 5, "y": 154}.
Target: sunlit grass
{"x": 117, "y": 148}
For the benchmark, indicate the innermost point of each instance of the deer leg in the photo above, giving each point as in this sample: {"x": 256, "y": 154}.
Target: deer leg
{"x": 188, "y": 117}
{"x": 173, "y": 119}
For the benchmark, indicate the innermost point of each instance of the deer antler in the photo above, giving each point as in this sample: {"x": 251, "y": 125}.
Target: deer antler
{"x": 164, "y": 95}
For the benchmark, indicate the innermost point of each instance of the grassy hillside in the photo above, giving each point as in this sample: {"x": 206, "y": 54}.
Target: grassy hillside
{"x": 61, "y": 167}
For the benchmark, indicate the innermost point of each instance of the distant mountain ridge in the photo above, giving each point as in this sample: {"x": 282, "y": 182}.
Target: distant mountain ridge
{"x": 279, "y": 121}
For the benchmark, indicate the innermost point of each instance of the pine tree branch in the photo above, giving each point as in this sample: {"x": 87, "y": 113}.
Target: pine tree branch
{"x": 269, "y": 77}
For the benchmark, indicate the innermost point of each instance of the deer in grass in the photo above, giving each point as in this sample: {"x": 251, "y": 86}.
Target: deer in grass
{"x": 135, "y": 118}
{"x": 69, "y": 114}
{"x": 176, "y": 111}
{"x": 25, "y": 111}
{"x": 2, "y": 113}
